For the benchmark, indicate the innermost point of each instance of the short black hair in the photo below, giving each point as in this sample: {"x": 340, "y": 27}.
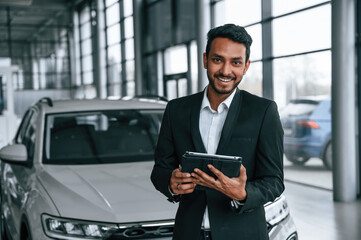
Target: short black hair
{"x": 233, "y": 32}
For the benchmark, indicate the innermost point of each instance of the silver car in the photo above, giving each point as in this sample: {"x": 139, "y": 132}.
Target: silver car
{"x": 80, "y": 169}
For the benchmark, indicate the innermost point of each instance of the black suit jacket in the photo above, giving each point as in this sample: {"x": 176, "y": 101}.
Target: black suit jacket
{"x": 253, "y": 131}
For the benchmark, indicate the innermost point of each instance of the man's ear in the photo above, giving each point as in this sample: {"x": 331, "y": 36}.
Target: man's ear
{"x": 246, "y": 67}
{"x": 205, "y": 60}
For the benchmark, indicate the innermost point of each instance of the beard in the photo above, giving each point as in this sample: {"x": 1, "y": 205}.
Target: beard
{"x": 222, "y": 91}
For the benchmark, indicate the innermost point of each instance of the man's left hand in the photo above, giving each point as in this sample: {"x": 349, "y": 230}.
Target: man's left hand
{"x": 232, "y": 187}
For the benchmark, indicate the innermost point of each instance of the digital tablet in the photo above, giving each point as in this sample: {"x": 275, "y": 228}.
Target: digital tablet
{"x": 228, "y": 165}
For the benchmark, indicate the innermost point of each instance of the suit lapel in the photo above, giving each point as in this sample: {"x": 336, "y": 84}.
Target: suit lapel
{"x": 230, "y": 121}
{"x": 196, "y": 135}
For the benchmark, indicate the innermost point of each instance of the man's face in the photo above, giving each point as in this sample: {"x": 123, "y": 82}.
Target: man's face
{"x": 226, "y": 65}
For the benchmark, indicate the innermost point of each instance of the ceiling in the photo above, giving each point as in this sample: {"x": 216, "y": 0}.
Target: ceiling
{"x": 28, "y": 21}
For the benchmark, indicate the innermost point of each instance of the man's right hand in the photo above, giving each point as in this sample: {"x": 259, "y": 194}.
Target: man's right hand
{"x": 181, "y": 183}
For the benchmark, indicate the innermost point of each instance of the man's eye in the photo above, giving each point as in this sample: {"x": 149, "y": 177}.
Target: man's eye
{"x": 216, "y": 60}
{"x": 237, "y": 63}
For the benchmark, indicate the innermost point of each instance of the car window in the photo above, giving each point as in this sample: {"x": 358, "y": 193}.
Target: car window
{"x": 299, "y": 108}
{"x": 30, "y": 134}
{"x": 23, "y": 125}
{"x": 101, "y": 136}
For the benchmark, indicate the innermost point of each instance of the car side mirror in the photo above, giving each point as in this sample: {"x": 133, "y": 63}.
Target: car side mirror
{"x": 15, "y": 153}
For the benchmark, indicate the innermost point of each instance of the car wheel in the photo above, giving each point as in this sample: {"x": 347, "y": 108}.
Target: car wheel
{"x": 297, "y": 160}
{"x": 327, "y": 156}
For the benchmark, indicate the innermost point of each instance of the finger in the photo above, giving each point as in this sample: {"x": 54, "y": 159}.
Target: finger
{"x": 243, "y": 174}
{"x": 197, "y": 178}
{"x": 216, "y": 172}
{"x": 188, "y": 191}
{"x": 203, "y": 177}
{"x": 201, "y": 174}
{"x": 175, "y": 171}
{"x": 184, "y": 188}
{"x": 242, "y": 171}
{"x": 185, "y": 180}
{"x": 181, "y": 177}
{"x": 203, "y": 182}
{"x": 180, "y": 174}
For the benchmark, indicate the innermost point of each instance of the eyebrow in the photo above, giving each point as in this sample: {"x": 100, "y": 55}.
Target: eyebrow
{"x": 220, "y": 56}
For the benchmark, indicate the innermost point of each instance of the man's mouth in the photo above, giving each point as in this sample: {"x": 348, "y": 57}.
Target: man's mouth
{"x": 225, "y": 79}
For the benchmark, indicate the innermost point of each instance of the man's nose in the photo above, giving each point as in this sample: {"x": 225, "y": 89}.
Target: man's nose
{"x": 226, "y": 69}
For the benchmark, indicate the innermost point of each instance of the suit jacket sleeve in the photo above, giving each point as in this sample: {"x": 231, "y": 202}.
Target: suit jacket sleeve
{"x": 165, "y": 157}
{"x": 268, "y": 181}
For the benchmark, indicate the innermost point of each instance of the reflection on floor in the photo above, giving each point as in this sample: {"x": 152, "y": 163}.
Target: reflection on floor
{"x": 312, "y": 173}
{"x": 318, "y": 217}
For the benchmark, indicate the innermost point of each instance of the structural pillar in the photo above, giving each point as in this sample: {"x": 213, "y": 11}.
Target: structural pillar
{"x": 267, "y": 50}
{"x": 344, "y": 101}
{"x": 8, "y": 120}
{"x": 203, "y": 26}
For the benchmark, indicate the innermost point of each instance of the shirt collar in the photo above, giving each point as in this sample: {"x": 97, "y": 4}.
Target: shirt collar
{"x": 227, "y": 102}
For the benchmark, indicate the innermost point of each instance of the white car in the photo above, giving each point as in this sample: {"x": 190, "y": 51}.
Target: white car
{"x": 80, "y": 169}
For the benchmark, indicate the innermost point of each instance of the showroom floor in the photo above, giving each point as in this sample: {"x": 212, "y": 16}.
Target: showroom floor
{"x": 316, "y": 215}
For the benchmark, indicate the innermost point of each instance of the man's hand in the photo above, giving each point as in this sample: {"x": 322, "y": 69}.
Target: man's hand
{"x": 232, "y": 187}
{"x": 181, "y": 183}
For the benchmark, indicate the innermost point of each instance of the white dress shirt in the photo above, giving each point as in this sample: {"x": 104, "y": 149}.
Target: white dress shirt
{"x": 210, "y": 126}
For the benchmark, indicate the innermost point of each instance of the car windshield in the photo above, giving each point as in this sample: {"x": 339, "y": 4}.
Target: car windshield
{"x": 299, "y": 108}
{"x": 101, "y": 136}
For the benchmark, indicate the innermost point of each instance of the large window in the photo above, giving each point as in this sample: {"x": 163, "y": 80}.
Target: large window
{"x": 280, "y": 7}
{"x": 290, "y": 59}
{"x": 113, "y": 50}
{"x": 310, "y": 31}
{"x": 240, "y": 12}
{"x": 104, "y": 48}
{"x": 44, "y": 63}
{"x": 302, "y": 72}
{"x": 302, "y": 75}
{"x": 247, "y": 14}
{"x": 119, "y": 47}
{"x": 86, "y": 46}
{"x": 170, "y": 48}
{"x": 303, "y": 53}
{"x": 84, "y": 51}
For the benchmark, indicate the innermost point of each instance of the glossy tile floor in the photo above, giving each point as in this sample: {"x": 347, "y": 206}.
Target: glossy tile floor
{"x": 312, "y": 173}
{"x": 316, "y": 215}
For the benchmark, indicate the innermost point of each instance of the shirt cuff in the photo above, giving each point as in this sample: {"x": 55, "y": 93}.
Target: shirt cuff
{"x": 174, "y": 197}
{"x": 173, "y": 194}
{"x": 237, "y": 205}
{"x": 237, "y": 202}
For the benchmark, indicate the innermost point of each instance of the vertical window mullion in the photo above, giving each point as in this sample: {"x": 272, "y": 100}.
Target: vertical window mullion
{"x": 106, "y": 48}
{"x": 80, "y": 51}
{"x": 95, "y": 46}
{"x": 189, "y": 71}
{"x": 122, "y": 46}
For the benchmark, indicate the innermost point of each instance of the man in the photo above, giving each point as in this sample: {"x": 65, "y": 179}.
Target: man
{"x": 223, "y": 120}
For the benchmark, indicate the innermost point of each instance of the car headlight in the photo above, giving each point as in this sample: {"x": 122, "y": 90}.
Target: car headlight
{"x": 75, "y": 229}
{"x": 277, "y": 211}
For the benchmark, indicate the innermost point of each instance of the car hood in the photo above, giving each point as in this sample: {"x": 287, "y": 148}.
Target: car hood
{"x": 117, "y": 193}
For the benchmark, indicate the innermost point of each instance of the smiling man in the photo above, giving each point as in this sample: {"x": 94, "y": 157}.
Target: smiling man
{"x": 221, "y": 120}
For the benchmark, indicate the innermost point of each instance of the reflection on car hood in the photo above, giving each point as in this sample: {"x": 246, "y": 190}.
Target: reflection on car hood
{"x": 116, "y": 193}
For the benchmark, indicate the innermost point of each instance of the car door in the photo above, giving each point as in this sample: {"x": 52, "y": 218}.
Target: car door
{"x": 17, "y": 177}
